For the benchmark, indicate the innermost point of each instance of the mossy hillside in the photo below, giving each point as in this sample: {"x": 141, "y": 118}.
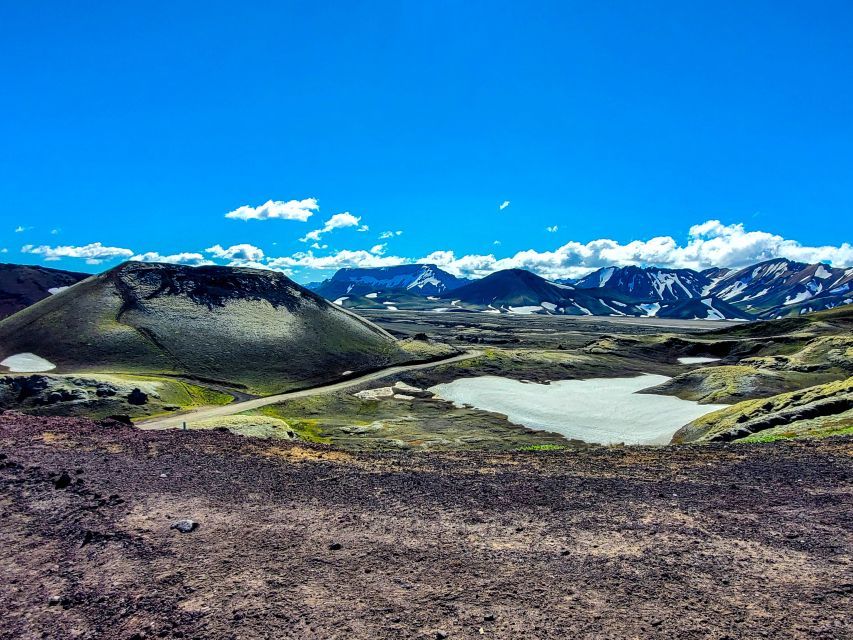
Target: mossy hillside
{"x": 741, "y": 415}
{"x": 77, "y": 330}
{"x": 253, "y": 330}
{"x": 825, "y": 427}
{"x": 728, "y": 384}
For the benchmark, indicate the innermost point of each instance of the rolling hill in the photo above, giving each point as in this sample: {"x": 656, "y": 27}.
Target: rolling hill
{"x": 245, "y": 328}
{"x": 22, "y": 285}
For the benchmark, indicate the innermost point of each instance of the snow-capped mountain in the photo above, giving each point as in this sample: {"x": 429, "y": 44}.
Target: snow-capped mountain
{"x": 647, "y": 284}
{"x": 520, "y": 291}
{"x": 780, "y": 287}
{"x": 770, "y": 289}
{"x": 414, "y": 279}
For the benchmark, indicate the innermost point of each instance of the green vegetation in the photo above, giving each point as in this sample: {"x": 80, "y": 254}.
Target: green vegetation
{"x": 543, "y": 447}
{"x": 773, "y": 435}
{"x": 305, "y": 428}
{"x": 821, "y": 408}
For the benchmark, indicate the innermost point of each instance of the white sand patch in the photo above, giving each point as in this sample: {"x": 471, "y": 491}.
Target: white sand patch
{"x": 27, "y": 363}
{"x": 696, "y": 360}
{"x": 600, "y": 410}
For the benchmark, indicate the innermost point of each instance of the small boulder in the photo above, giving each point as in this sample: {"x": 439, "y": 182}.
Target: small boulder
{"x": 63, "y": 481}
{"x": 185, "y": 526}
{"x": 137, "y": 396}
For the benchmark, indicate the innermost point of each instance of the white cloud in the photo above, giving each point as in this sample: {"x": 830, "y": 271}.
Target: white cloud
{"x": 55, "y": 232}
{"x": 20, "y": 229}
{"x": 94, "y": 253}
{"x": 338, "y": 260}
{"x": 192, "y": 259}
{"x": 497, "y": 243}
{"x": 552, "y": 229}
{"x": 236, "y": 252}
{"x": 4, "y": 250}
{"x": 363, "y": 228}
{"x": 280, "y": 210}
{"x": 709, "y": 244}
{"x": 504, "y": 205}
{"x": 378, "y": 249}
{"x": 337, "y": 221}
{"x": 389, "y": 234}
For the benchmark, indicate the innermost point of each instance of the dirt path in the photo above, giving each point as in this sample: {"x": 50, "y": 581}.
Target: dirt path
{"x": 305, "y": 542}
{"x": 176, "y": 420}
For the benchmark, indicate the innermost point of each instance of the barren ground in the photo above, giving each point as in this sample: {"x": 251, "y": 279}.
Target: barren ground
{"x": 303, "y": 541}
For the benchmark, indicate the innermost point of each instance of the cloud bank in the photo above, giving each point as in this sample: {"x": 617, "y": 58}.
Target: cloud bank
{"x": 94, "y": 253}
{"x": 709, "y": 244}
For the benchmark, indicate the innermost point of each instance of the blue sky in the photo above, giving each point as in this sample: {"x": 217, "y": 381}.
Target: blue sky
{"x": 139, "y": 126}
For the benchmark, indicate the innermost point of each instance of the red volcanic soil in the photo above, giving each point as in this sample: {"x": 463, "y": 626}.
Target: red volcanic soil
{"x": 302, "y": 541}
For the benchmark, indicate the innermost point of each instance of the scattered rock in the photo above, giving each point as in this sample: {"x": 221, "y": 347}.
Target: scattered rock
{"x": 185, "y": 526}
{"x": 375, "y": 394}
{"x": 335, "y": 546}
{"x": 54, "y": 600}
{"x": 63, "y": 481}
{"x": 137, "y": 397}
{"x": 401, "y": 388}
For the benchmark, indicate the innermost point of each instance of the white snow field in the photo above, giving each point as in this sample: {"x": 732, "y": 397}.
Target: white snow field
{"x": 27, "y": 363}
{"x": 600, "y": 410}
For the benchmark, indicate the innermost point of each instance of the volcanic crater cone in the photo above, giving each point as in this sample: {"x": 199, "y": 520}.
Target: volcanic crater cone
{"x": 246, "y": 328}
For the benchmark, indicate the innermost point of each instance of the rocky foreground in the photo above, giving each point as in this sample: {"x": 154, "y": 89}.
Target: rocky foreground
{"x": 298, "y": 541}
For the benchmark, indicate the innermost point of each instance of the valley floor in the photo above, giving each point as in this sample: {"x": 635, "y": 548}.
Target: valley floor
{"x": 305, "y": 541}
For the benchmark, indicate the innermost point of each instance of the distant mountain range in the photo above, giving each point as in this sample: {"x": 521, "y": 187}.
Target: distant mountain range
{"x": 22, "y": 285}
{"x": 771, "y": 289}
{"x": 417, "y": 279}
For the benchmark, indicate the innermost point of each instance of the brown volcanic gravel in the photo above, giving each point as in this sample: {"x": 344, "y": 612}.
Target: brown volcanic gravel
{"x": 299, "y": 541}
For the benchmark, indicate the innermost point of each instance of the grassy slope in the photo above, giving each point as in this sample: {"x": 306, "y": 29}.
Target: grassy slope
{"x": 822, "y": 409}
{"x": 118, "y": 323}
